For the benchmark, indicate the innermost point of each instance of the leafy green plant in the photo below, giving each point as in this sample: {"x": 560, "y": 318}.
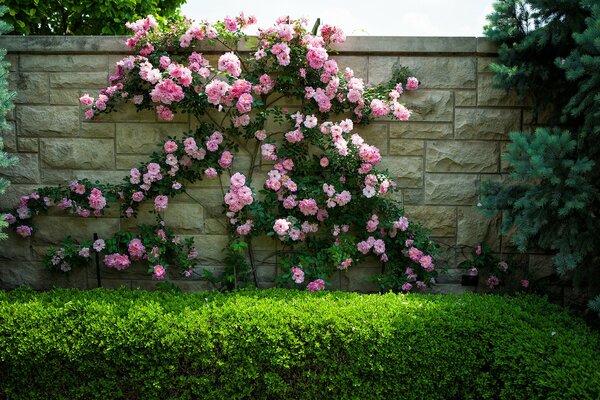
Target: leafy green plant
{"x": 282, "y": 344}
{"x": 6, "y": 105}
{"x": 549, "y": 50}
{"x": 71, "y": 17}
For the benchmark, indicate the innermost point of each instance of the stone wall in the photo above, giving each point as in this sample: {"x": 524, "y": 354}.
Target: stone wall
{"x": 452, "y": 142}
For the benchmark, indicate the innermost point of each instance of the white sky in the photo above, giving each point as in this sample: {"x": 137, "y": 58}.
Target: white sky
{"x": 365, "y": 17}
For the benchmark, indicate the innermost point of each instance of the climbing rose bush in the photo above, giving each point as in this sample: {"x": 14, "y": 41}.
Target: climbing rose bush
{"x": 324, "y": 198}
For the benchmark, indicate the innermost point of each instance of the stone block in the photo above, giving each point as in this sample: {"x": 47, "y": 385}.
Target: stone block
{"x": 31, "y": 87}
{"x": 489, "y": 95}
{"x": 97, "y": 130}
{"x": 358, "y": 277}
{"x": 215, "y": 226}
{"x": 375, "y": 134}
{"x": 541, "y": 266}
{"x": 68, "y": 97}
{"x": 185, "y": 217}
{"x": 413, "y": 196}
{"x": 53, "y": 229}
{"x": 28, "y": 145}
{"x": 15, "y": 248}
{"x": 25, "y": 170}
{"x": 210, "y": 198}
{"x": 13, "y": 62}
{"x": 32, "y": 274}
{"x": 76, "y": 80}
{"x": 358, "y": 64}
{"x": 10, "y": 198}
{"x": 381, "y": 68}
{"x": 451, "y": 189}
{"x": 406, "y": 147}
{"x": 486, "y": 124}
{"x": 443, "y": 72}
{"x": 462, "y": 156}
{"x": 9, "y": 137}
{"x": 144, "y": 138}
{"x": 465, "y": 98}
{"x": 61, "y": 63}
{"x": 78, "y": 153}
{"x": 48, "y": 120}
{"x": 430, "y": 105}
{"x": 211, "y": 248}
{"x": 483, "y": 63}
{"x": 128, "y": 161}
{"x": 440, "y": 220}
{"x": 406, "y": 171}
{"x": 473, "y": 228}
{"x": 127, "y": 112}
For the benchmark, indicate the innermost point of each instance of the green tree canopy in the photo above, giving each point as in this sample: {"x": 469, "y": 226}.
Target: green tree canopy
{"x": 75, "y": 17}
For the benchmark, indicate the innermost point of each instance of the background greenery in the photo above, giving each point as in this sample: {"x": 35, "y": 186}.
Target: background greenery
{"x": 550, "y": 51}
{"x": 6, "y": 105}
{"x": 76, "y": 17}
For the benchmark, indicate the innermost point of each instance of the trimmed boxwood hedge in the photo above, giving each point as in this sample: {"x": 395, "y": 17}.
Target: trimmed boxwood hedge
{"x": 107, "y": 344}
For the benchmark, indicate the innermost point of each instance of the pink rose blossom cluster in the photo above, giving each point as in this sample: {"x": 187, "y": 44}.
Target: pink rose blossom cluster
{"x": 279, "y": 178}
{"x": 417, "y": 256}
{"x": 96, "y": 200}
{"x": 333, "y": 34}
{"x": 297, "y": 275}
{"x": 158, "y": 272}
{"x": 239, "y": 194}
{"x": 117, "y": 261}
{"x": 377, "y": 245}
{"x": 268, "y": 151}
{"x": 140, "y": 28}
{"x": 230, "y": 63}
{"x": 401, "y": 224}
{"x": 316, "y": 285}
{"x": 136, "y": 249}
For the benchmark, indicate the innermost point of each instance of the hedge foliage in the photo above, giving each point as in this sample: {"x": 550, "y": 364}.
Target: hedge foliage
{"x": 103, "y": 344}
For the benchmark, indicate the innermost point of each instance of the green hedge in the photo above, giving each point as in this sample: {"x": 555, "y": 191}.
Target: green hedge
{"x": 105, "y": 344}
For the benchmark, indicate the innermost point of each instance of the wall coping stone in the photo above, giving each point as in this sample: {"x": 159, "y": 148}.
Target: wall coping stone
{"x": 354, "y": 44}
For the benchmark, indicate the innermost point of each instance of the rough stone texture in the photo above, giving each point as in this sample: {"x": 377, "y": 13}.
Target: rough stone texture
{"x": 406, "y": 147}
{"x": 408, "y": 171}
{"x": 430, "y": 105}
{"x": 452, "y": 156}
{"x": 61, "y": 63}
{"x": 473, "y": 228}
{"x": 488, "y": 95}
{"x": 26, "y": 169}
{"x": 48, "y": 120}
{"x": 458, "y": 127}
{"x": 487, "y": 124}
{"x": 31, "y": 87}
{"x": 459, "y": 189}
{"x": 144, "y": 138}
{"x": 443, "y": 72}
{"x": 420, "y": 130}
{"x": 78, "y": 153}
{"x": 441, "y": 220}
{"x": 28, "y": 145}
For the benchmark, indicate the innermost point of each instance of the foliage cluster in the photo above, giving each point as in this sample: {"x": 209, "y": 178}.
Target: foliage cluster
{"x": 550, "y": 51}
{"x": 72, "y": 17}
{"x": 68, "y": 344}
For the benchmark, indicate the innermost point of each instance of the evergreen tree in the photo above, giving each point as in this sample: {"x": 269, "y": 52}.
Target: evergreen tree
{"x": 550, "y": 49}
{"x": 5, "y": 106}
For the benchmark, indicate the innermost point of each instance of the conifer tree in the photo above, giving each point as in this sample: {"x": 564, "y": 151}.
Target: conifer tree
{"x": 5, "y": 106}
{"x": 550, "y": 50}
